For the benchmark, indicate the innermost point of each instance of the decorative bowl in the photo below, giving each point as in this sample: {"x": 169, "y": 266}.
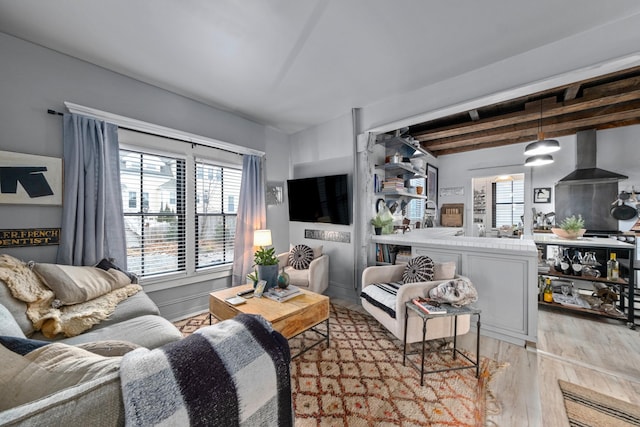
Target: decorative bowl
{"x": 570, "y": 235}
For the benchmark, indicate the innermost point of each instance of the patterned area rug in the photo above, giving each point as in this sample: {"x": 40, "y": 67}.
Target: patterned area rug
{"x": 588, "y": 408}
{"x": 360, "y": 380}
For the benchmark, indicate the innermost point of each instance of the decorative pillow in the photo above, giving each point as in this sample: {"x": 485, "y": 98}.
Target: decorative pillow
{"x": 73, "y": 285}
{"x": 317, "y": 250}
{"x": 418, "y": 269}
{"x": 108, "y": 348}
{"x": 48, "y": 369}
{"x": 444, "y": 270}
{"x": 109, "y": 264}
{"x": 21, "y": 345}
{"x": 300, "y": 257}
{"x": 8, "y": 324}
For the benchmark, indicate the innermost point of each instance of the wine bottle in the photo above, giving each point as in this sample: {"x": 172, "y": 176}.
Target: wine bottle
{"x": 548, "y": 291}
{"x": 576, "y": 264}
{"x": 565, "y": 264}
{"x": 613, "y": 268}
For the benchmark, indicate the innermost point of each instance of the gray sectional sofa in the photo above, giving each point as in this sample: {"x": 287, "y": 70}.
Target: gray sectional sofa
{"x": 98, "y": 401}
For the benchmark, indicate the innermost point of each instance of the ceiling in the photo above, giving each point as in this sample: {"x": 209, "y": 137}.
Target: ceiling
{"x": 604, "y": 102}
{"x": 293, "y": 64}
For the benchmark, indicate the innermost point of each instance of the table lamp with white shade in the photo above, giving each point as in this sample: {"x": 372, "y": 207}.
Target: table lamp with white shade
{"x": 265, "y": 258}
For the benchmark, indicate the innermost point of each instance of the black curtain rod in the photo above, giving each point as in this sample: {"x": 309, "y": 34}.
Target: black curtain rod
{"x": 50, "y": 111}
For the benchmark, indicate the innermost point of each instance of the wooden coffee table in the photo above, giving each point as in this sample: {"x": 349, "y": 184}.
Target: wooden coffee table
{"x": 290, "y": 318}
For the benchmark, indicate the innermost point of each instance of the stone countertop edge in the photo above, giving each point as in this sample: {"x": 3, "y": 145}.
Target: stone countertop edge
{"x": 417, "y": 238}
{"x": 596, "y": 242}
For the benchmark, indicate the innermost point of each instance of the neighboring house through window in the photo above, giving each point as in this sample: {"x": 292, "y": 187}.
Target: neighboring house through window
{"x": 218, "y": 189}
{"x": 175, "y": 224}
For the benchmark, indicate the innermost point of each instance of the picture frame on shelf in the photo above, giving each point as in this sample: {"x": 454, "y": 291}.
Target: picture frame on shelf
{"x": 432, "y": 183}
{"x": 542, "y": 195}
{"x": 259, "y": 290}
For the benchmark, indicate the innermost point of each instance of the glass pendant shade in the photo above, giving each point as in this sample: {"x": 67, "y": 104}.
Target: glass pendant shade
{"x": 542, "y": 146}
{"x": 539, "y": 160}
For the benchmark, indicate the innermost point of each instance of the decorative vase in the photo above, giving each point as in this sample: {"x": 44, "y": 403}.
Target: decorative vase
{"x": 283, "y": 279}
{"x": 378, "y": 230}
{"x": 268, "y": 273}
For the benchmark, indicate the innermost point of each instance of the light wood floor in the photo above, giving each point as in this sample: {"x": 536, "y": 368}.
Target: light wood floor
{"x": 600, "y": 354}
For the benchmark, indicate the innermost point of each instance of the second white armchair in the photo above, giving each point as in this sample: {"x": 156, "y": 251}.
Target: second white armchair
{"x": 315, "y": 278}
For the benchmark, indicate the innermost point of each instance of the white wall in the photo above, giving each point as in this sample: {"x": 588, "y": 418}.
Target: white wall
{"x": 278, "y": 170}
{"x": 327, "y": 150}
{"x": 34, "y": 79}
{"x": 585, "y": 52}
{"x": 617, "y": 152}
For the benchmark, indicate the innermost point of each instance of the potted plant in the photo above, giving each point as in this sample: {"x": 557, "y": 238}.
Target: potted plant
{"x": 253, "y": 278}
{"x": 570, "y": 228}
{"x": 267, "y": 266}
{"x": 379, "y": 223}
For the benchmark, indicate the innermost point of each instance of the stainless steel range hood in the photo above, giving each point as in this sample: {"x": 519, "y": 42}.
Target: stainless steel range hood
{"x": 588, "y": 191}
{"x": 586, "y": 156}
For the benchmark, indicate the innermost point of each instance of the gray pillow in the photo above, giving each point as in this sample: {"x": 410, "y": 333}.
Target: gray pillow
{"x": 8, "y": 325}
{"x": 17, "y": 308}
{"x": 74, "y": 284}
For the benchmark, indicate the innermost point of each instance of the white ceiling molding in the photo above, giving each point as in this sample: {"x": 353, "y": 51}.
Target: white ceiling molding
{"x": 142, "y": 126}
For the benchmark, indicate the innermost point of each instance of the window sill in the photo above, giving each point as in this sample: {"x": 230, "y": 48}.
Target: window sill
{"x": 173, "y": 280}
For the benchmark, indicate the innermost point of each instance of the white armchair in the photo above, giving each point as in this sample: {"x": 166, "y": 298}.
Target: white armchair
{"x": 314, "y": 279}
{"x": 436, "y": 328}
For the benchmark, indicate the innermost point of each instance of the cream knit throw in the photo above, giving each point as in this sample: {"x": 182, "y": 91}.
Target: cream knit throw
{"x": 69, "y": 320}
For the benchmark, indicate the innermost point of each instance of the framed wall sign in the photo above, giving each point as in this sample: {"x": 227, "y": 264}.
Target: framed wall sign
{"x": 432, "y": 183}
{"x": 542, "y": 195}
{"x": 274, "y": 193}
{"x": 30, "y": 179}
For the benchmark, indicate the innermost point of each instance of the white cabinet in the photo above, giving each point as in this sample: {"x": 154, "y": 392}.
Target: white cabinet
{"x": 504, "y": 272}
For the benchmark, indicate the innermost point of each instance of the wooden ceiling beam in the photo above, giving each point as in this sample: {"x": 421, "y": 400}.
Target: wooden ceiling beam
{"x": 586, "y": 122}
{"x": 571, "y": 92}
{"x": 515, "y": 118}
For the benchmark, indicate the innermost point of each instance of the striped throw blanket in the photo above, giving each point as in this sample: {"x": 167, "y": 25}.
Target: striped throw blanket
{"x": 234, "y": 373}
{"x": 383, "y": 296}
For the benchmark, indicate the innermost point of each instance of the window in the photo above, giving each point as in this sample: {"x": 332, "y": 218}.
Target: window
{"x": 176, "y": 224}
{"x": 415, "y": 207}
{"x": 155, "y": 231}
{"x": 218, "y": 191}
{"x": 508, "y": 202}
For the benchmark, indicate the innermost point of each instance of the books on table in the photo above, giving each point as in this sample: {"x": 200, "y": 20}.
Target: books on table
{"x": 429, "y": 306}
{"x": 282, "y": 295}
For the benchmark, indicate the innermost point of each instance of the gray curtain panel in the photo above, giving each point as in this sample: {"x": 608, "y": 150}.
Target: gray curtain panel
{"x": 92, "y": 221}
{"x": 251, "y": 216}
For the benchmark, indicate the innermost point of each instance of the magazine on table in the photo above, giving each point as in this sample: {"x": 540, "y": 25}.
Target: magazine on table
{"x": 282, "y": 295}
{"x": 429, "y": 306}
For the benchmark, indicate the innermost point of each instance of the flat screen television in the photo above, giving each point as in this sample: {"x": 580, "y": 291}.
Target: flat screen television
{"x": 319, "y": 199}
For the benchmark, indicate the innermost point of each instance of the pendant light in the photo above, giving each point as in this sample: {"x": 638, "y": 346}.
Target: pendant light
{"x": 539, "y": 160}
{"x": 541, "y": 148}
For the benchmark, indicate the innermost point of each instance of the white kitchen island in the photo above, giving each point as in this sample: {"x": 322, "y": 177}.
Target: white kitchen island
{"x": 503, "y": 270}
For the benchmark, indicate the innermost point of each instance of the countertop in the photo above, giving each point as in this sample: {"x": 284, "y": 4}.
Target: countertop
{"x": 445, "y": 236}
{"x": 600, "y": 242}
